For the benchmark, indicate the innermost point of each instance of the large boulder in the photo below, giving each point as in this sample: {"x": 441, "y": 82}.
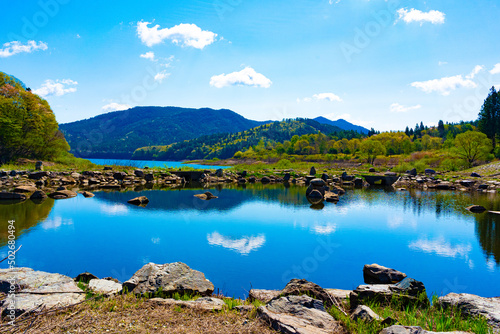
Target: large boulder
{"x": 474, "y": 305}
{"x": 38, "y": 195}
{"x": 376, "y": 274}
{"x": 36, "y": 288}
{"x": 119, "y": 176}
{"x": 138, "y": 173}
{"x": 302, "y": 286}
{"x": 168, "y": 279}
{"x": 299, "y": 315}
{"x": 104, "y": 287}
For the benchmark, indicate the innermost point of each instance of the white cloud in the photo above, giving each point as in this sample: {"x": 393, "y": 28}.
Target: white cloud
{"x": 396, "y": 107}
{"x": 56, "y": 222}
{"x": 415, "y": 15}
{"x": 496, "y": 69}
{"x": 444, "y": 86}
{"x": 325, "y": 229}
{"x": 331, "y": 2}
{"x": 114, "y": 209}
{"x": 245, "y": 77}
{"x": 441, "y": 63}
{"x": 57, "y": 88}
{"x": 149, "y": 55}
{"x": 243, "y": 245}
{"x": 115, "y": 106}
{"x": 15, "y": 47}
{"x": 475, "y": 71}
{"x": 441, "y": 247}
{"x": 322, "y": 97}
{"x": 159, "y": 77}
{"x": 182, "y": 34}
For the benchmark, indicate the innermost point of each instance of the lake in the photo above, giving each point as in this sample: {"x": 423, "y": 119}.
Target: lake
{"x": 261, "y": 236}
{"x": 149, "y": 163}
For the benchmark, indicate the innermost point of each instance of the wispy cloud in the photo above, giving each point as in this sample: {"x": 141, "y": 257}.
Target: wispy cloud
{"x": 15, "y": 47}
{"x": 182, "y": 34}
{"x": 441, "y": 247}
{"x": 160, "y": 76}
{"x": 446, "y": 85}
{"x": 246, "y": 77}
{"x": 57, "y": 87}
{"x": 474, "y": 72}
{"x": 396, "y": 107}
{"x": 115, "y": 107}
{"x": 415, "y": 15}
{"x": 496, "y": 69}
{"x": 322, "y": 97}
{"x": 242, "y": 245}
{"x": 149, "y": 55}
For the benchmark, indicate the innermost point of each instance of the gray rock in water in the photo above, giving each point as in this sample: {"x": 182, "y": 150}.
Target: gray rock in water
{"x": 149, "y": 177}
{"x": 206, "y": 196}
{"x": 413, "y": 330}
{"x": 219, "y": 172}
{"x": 298, "y": 315}
{"x": 476, "y": 208}
{"x": 317, "y": 183}
{"x": 87, "y": 194}
{"x": 141, "y": 200}
{"x": 36, "y": 288}
{"x": 138, "y": 173}
{"x": 474, "y": 305}
{"x": 265, "y": 180}
{"x": 364, "y": 313}
{"x": 25, "y": 189}
{"x": 62, "y": 194}
{"x": 38, "y": 195}
{"x": 171, "y": 278}
{"x": 104, "y": 287}
{"x": 12, "y": 196}
{"x": 287, "y": 177}
{"x": 377, "y": 274}
{"x": 119, "y": 176}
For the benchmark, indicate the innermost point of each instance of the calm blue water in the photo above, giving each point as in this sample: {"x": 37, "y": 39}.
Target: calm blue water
{"x": 262, "y": 236}
{"x": 149, "y": 163}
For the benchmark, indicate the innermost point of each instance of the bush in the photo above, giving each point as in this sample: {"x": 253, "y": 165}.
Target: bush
{"x": 497, "y": 152}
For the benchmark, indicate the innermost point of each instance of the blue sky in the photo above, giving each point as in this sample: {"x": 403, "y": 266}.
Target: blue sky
{"x": 377, "y": 63}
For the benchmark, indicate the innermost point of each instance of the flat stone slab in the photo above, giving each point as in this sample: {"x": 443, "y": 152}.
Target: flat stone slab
{"x": 105, "y": 287}
{"x": 263, "y": 295}
{"x": 204, "y": 303}
{"x": 413, "y": 330}
{"x": 298, "y": 315}
{"x": 33, "y": 289}
{"x": 474, "y": 305}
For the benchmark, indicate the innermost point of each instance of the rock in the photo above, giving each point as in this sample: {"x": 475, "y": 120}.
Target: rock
{"x": 474, "y": 305}
{"x": 85, "y": 277}
{"x": 108, "y": 168}
{"x": 412, "y": 172}
{"x": 61, "y": 188}
{"x": 364, "y": 313}
{"x": 372, "y": 170}
{"x": 331, "y": 197}
{"x": 39, "y": 165}
{"x": 287, "y": 177}
{"x": 317, "y": 183}
{"x": 315, "y": 194}
{"x": 325, "y": 177}
{"x": 171, "y": 278}
{"x": 104, "y": 287}
{"x": 376, "y": 274}
{"x": 312, "y": 171}
{"x": 36, "y": 288}
{"x": 206, "y": 196}
{"x": 87, "y": 194}
{"x": 476, "y": 208}
{"x": 244, "y": 308}
{"x": 251, "y": 179}
{"x": 242, "y": 181}
{"x": 263, "y": 295}
{"x": 37, "y": 175}
{"x": 302, "y": 286}
{"x": 219, "y": 172}
{"x": 413, "y": 330}
{"x": 339, "y": 294}
{"x": 358, "y": 182}
{"x": 119, "y": 176}
{"x": 430, "y": 171}
{"x": 138, "y": 173}
{"x": 265, "y": 180}
{"x": 298, "y": 315}
{"x": 474, "y": 174}
{"x": 38, "y": 195}
{"x": 243, "y": 173}
{"x": 25, "y": 189}
{"x": 62, "y": 194}
{"x": 204, "y": 303}
{"x": 12, "y": 196}
{"x": 411, "y": 286}
{"x": 141, "y": 200}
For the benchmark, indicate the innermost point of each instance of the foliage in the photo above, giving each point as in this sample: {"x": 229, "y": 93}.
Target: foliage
{"x": 489, "y": 117}
{"x": 370, "y": 148}
{"x": 28, "y": 127}
{"x": 472, "y": 146}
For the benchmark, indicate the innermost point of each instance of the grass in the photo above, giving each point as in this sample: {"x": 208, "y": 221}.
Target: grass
{"x": 432, "y": 318}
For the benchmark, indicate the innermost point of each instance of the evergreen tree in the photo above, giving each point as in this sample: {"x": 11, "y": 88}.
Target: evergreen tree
{"x": 441, "y": 129}
{"x": 489, "y": 117}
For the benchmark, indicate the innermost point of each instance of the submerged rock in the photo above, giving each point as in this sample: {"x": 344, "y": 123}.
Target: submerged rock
{"x": 476, "y": 208}
{"x": 87, "y": 194}
{"x": 38, "y": 195}
{"x": 141, "y": 200}
{"x": 206, "y": 196}
{"x": 62, "y": 194}
{"x": 168, "y": 278}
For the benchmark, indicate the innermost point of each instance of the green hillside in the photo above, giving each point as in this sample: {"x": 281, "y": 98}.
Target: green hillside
{"x": 28, "y": 127}
{"x": 118, "y": 134}
{"x": 224, "y": 146}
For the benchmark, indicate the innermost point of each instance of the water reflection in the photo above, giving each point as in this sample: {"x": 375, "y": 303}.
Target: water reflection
{"x": 243, "y": 245}
{"x": 488, "y": 233}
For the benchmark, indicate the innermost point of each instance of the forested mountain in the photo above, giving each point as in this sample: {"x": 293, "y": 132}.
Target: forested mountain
{"x": 224, "y": 146}
{"x": 343, "y": 124}
{"x": 118, "y": 134}
{"x": 28, "y": 127}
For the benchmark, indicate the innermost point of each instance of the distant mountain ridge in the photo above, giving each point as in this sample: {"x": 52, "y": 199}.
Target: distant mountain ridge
{"x": 118, "y": 134}
{"x": 343, "y": 124}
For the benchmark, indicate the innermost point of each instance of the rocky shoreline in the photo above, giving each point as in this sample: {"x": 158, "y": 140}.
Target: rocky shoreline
{"x": 19, "y": 185}
{"x": 300, "y": 307}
